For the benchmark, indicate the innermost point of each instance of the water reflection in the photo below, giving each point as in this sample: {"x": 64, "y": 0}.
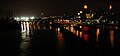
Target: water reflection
{"x": 77, "y": 33}
{"x": 112, "y": 37}
{"x": 25, "y": 44}
{"x": 95, "y": 34}
{"x": 85, "y": 33}
{"x": 80, "y": 34}
{"x": 61, "y": 43}
{"x": 88, "y": 34}
{"x": 60, "y": 38}
{"x": 71, "y": 29}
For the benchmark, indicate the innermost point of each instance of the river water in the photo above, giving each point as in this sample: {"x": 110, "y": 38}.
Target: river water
{"x": 39, "y": 39}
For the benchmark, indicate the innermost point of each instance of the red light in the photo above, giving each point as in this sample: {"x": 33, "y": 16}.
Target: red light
{"x": 85, "y": 37}
{"x": 85, "y": 28}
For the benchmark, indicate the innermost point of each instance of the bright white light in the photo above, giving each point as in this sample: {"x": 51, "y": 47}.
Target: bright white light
{"x": 116, "y": 27}
{"x": 110, "y": 6}
{"x": 58, "y": 29}
{"x": 17, "y": 18}
{"x": 32, "y": 17}
{"x": 27, "y": 18}
{"x": 27, "y": 26}
{"x": 78, "y": 13}
{"x": 24, "y": 26}
{"x": 81, "y": 12}
{"x": 22, "y": 18}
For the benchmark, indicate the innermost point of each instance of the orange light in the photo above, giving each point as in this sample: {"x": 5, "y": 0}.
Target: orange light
{"x": 97, "y": 33}
{"x": 80, "y": 34}
{"x": 85, "y": 7}
{"x": 112, "y": 37}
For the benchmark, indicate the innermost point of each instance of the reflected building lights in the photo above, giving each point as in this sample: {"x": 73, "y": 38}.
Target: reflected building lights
{"x": 81, "y": 34}
{"x": 74, "y": 31}
{"x": 24, "y": 26}
{"x": 50, "y": 27}
{"x": 67, "y": 28}
{"x": 60, "y": 38}
{"x": 85, "y": 28}
{"x": 77, "y": 33}
{"x": 25, "y": 38}
{"x": 58, "y": 29}
{"x": 71, "y": 29}
{"x": 27, "y": 26}
{"x": 38, "y": 27}
{"x": 85, "y": 37}
{"x": 34, "y": 27}
{"x": 97, "y": 34}
{"x": 112, "y": 37}
{"x": 84, "y": 34}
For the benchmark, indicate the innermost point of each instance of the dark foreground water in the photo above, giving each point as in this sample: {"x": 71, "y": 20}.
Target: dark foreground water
{"x": 44, "y": 40}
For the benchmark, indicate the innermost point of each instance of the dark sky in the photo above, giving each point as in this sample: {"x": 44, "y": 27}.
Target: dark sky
{"x": 51, "y": 7}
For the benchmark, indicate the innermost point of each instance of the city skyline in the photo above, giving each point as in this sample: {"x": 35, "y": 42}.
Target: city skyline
{"x": 51, "y": 8}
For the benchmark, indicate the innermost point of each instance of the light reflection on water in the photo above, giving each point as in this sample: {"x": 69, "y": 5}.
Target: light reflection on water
{"x": 60, "y": 41}
{"x": 112, "y": 37}
{"x": 97, "y": 34}
{"x": 77, "y": 33}
{"x": 60, "y": 38}
{"x": 25, "y": 44}
{"x": 85, "y": 33}
{"x": 80, "y": 34}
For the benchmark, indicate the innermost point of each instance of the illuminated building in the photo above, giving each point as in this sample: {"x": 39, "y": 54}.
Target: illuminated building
{"x": 85, "y": 13}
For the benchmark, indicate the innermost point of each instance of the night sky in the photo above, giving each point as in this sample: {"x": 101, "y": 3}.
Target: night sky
{"x": 51, "y": 7}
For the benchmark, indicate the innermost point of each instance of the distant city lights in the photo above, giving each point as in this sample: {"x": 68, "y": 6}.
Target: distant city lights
{"x": 24, "y": 18}
{"x": 32, "y": 17}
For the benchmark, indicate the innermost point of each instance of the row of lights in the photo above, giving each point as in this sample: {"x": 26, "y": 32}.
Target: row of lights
{"x": 24, "y": 18}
